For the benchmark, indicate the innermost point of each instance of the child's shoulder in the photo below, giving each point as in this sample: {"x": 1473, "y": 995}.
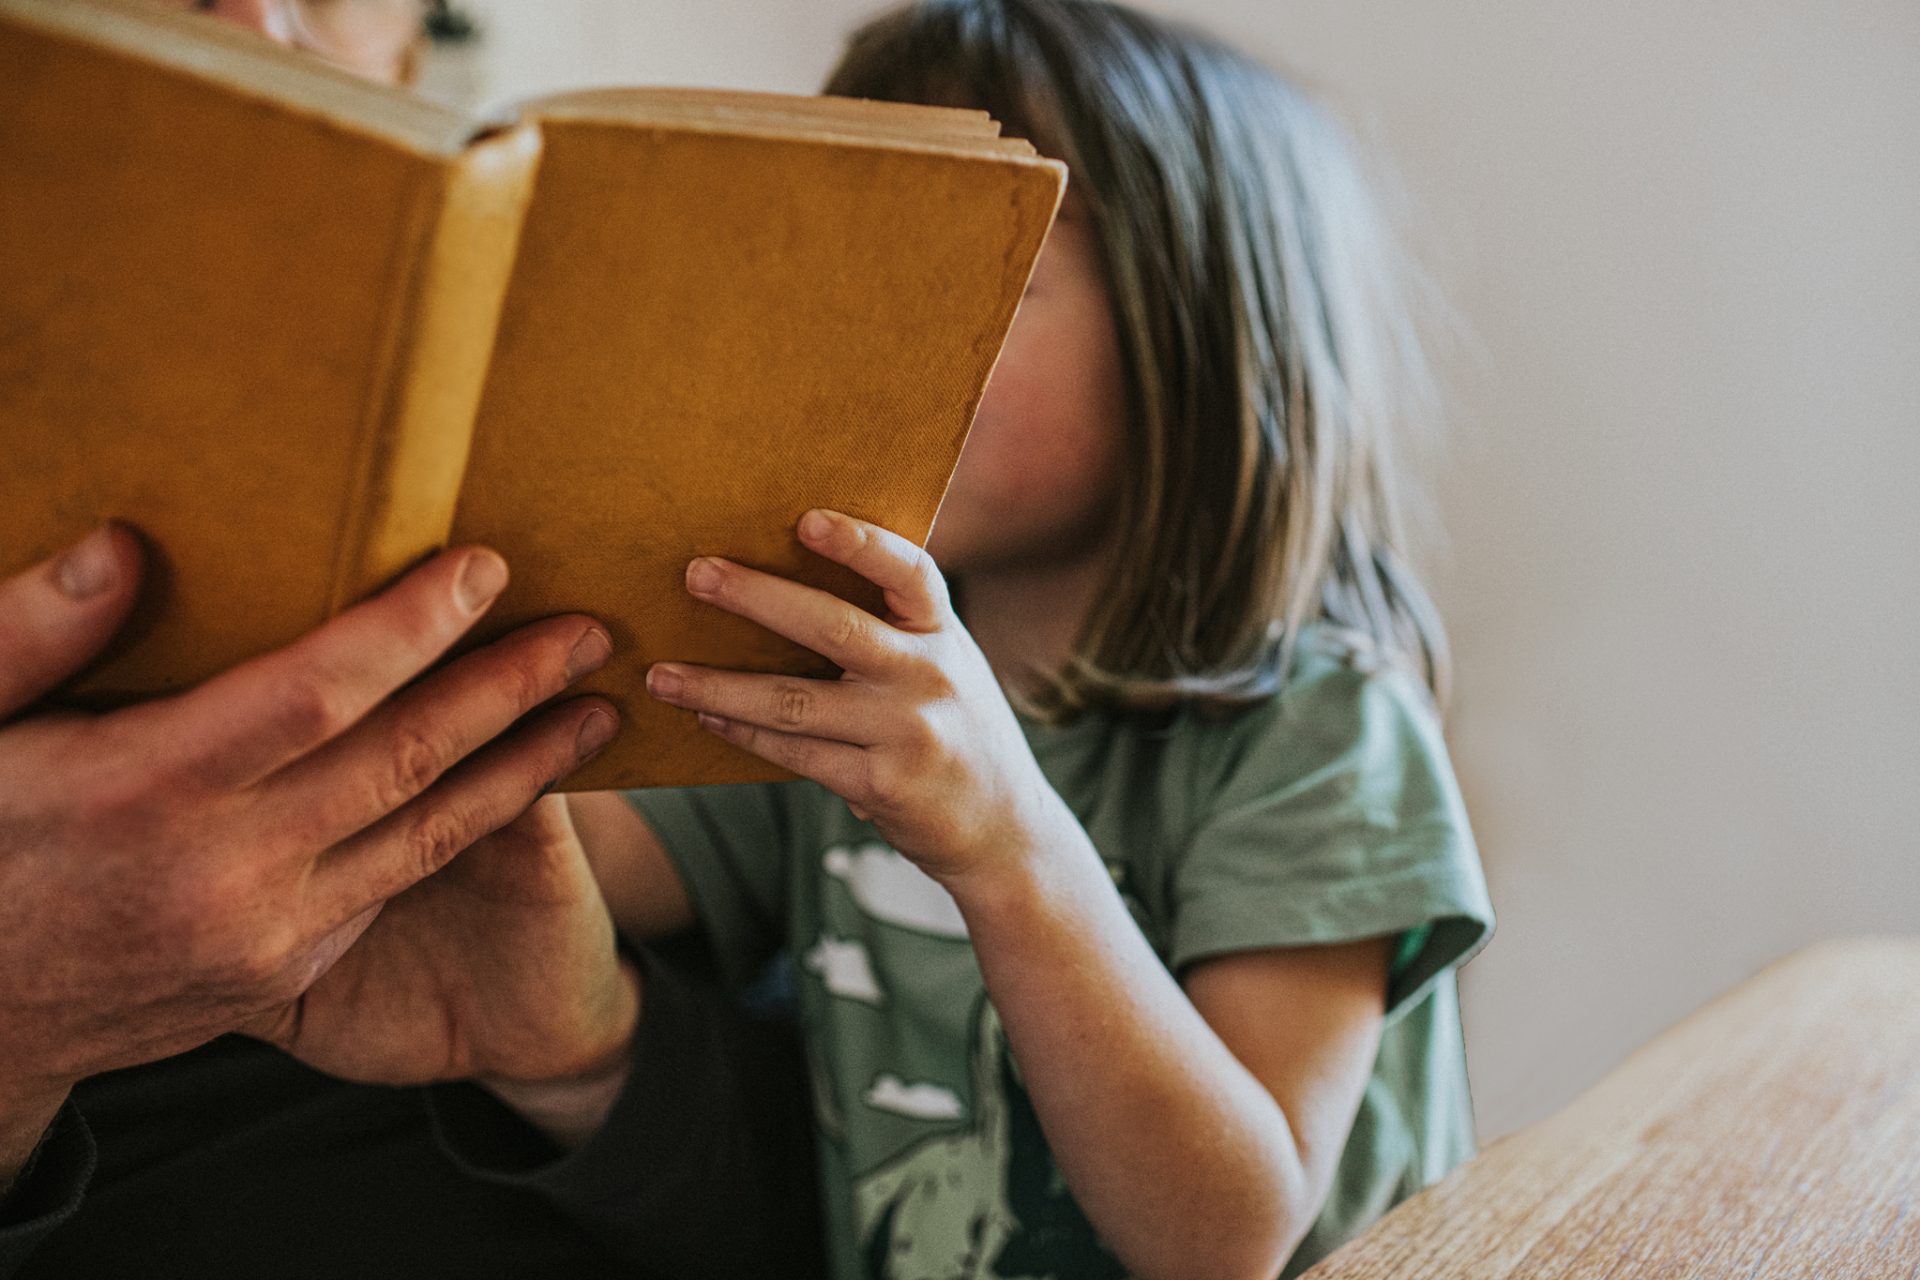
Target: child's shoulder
{"x": 1347, "y": 728}
{"x": 1326, "y": 812}
{"x": 1342, "y": 697}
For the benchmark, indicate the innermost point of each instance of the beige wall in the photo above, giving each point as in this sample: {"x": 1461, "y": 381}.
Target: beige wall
{"x": 1684, "y": 571}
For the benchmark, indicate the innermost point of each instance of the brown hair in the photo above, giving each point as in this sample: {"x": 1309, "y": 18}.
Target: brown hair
{"x": 1264, "y": 330}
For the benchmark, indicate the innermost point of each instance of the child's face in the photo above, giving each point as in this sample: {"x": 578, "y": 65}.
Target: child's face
{"x": 1037, "y": 481}
{"x": 376, "y": 39}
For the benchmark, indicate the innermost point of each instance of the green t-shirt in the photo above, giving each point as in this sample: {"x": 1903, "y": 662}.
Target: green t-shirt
{"x": 1326, "y": 814}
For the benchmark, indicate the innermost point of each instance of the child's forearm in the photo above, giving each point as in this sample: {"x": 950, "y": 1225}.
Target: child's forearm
{"x": 644, "y": 892}
{"x": 1177, "y": 1154}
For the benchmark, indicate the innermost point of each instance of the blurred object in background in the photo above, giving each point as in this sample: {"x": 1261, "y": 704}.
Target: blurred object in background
{"x": 453, "y": 66}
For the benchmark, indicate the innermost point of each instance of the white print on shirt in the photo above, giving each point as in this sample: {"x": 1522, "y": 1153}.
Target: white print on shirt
{"x": 893, "y": 891}
{"x": 845, "y": 970}
{"x": 915, "y": 1101}
{"x": 939, "y": 1211}
{"x": 981, "y": 1200}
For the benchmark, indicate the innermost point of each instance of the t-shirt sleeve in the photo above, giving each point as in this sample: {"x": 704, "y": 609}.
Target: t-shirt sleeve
{"x": 704, "y": 1166}
{"x": 729, "y": 844}
{"x": 1331, "y": 815}
{"x": 48, "y": 1191}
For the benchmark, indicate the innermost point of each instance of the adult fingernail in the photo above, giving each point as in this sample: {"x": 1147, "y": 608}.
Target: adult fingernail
{"x": 596, "y": 731}
{"x": 703, "y": 575}
{"x": 87, "y": 569}
{"x": 665, "y": 682}
{"x": 483, "y": 577}
{"x": 590, "y": 653}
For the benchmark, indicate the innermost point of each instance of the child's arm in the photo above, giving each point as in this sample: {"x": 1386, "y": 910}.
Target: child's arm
{"x": 642, "y": 887}
{"x": 1199, "y": 1131}
{"x": 1198, "y": 1134}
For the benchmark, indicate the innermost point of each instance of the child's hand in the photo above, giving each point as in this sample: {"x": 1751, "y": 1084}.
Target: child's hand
{"x": 916, "y": 735}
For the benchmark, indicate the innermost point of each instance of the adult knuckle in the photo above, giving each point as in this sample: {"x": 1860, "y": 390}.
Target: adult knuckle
{"x": 313, "y": 709}
{"x": 417, "y": 756}
{"x": 431, "y": 840}
{"x": 531, "y": 682}
{"x": 264, "y": 963}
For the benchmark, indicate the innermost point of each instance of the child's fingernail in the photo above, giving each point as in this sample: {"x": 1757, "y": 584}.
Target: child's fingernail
{"x": 87, "y": 569}
{"x": 703, "y": 576}
{"x": 713, "y": 723}
{"x": 482, "y": 577}
{"x": 596, "y": 731}
{"x": 816, "y": 525}
{"x": 665, "y": 682}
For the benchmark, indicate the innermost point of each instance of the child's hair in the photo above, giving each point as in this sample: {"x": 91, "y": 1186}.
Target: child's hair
{"x": 1264, "y": 335}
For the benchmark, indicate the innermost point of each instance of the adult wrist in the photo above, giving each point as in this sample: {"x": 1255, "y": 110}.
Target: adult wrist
{"x": 570, "y": 1108}
{"x": 568, "y": 1111}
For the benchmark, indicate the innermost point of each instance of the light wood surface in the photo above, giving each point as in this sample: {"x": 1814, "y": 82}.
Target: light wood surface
{"x": 1773, "y": 1134}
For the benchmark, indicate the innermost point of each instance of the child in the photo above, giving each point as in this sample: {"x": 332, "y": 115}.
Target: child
{"x": 1152, "y": 976}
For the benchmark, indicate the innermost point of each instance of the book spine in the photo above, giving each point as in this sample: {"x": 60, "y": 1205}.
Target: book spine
{"x": 448, "y": 302}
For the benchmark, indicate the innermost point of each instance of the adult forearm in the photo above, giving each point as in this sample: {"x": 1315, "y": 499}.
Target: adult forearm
{"x": 1178, "y": 1156}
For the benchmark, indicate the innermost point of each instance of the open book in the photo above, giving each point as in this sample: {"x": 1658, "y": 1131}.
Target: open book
{"x": 300, "y": 331}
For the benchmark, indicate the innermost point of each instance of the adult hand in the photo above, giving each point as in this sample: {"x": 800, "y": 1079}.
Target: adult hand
{"x": 170, "y": 871}
{"x": 501, "y": 967}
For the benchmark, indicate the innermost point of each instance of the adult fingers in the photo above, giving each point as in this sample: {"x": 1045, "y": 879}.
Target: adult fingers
{"x": 262, "y": 715}
{"x": 406, "y": 743}
{"x": 842, "y": 633}
{"x": 916, "y": 591}
{"x": 57, "y": 615}
{"x": 483, "y": 794}
{"x": 834, "y": 709}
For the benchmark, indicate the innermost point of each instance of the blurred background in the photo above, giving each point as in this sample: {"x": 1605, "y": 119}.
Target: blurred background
{"x": 1681, "y": 246}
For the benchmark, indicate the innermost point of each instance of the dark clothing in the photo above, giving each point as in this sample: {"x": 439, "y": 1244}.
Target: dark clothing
{"x": 236, "y": 1161}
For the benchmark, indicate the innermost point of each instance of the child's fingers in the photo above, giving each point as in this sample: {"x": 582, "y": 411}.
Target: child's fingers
{"x": 846, "y": 635}
{"x": 916, "y": 593}
{"x": 838, "y": 766}
{"x": 851, "y": 713}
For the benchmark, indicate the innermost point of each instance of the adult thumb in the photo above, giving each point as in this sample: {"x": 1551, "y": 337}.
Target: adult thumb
{"x": 56, "y": 616}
